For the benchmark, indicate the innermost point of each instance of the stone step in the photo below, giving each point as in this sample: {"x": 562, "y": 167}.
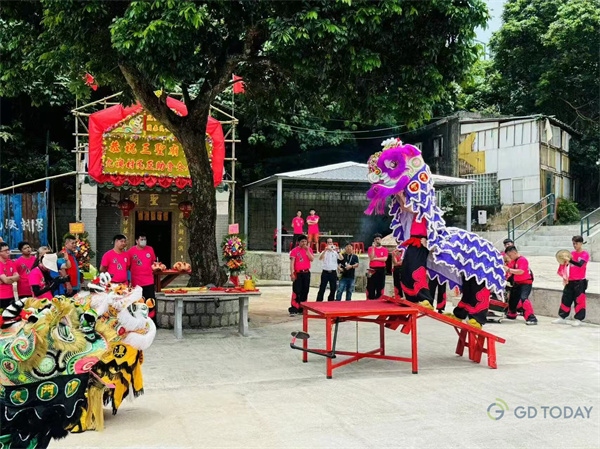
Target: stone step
{"x": 539, "y": 240}
{"x": 557, "y": 230}
{"x": 540, "y": 250}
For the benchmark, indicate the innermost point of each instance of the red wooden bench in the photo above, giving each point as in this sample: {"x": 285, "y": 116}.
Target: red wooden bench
{"x": 476, "y": 341}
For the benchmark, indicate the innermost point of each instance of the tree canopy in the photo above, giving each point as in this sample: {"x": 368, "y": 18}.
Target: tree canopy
{"x": 367, "y": 60}
{"x": 545, "y": 60}
{"x": 370, "y": 60}
{"x": 547, "y": 55}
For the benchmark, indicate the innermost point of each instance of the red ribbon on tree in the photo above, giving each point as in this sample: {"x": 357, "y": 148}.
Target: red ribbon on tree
{"x": 239, "y": 87}
{"x": 90, "y": 81}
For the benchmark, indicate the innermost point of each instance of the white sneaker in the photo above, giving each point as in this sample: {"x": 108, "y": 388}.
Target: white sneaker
{"x": 560, "y": 321}
{"x": 576, "y": 323}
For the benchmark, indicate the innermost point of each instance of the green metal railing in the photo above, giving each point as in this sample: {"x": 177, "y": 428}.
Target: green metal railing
{"x": 544, "y": 208}
{"x": 584, "y": 224}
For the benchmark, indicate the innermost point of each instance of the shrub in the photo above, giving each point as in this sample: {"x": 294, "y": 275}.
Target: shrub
{"x": 567, "y": 212}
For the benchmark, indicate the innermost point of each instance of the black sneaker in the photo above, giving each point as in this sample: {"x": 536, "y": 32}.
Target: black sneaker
{"x": 532, "y": 321}
{"x": 508, "y": 317}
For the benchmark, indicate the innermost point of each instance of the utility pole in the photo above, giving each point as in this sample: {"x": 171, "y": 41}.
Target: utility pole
{"x": 47, "y": 182}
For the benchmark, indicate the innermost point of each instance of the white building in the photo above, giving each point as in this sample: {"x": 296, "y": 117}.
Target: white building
{"x": 527, "y": 158}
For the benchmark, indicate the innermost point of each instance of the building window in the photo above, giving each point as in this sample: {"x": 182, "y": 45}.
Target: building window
{"x": 556, "y": 137}
{"x": 418, "y": 145}
{"x": 565, "y": 163}
{"x": 517, "y": 191}
{"x": 438, "y": 146}
{"x": 485, "y": 190}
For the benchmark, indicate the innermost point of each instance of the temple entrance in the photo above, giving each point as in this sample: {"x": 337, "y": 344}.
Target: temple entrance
{"x": 157, "y": 228}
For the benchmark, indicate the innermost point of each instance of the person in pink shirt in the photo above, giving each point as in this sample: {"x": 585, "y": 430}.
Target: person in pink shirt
{"x": 521, "y": 289}
{"x": 40, "y": 277}
{"x": 575, "y": 284}
{"x": 313, "y": 229}
{"x": 378, "y": 256}
{"x": 300, "y": 259}
{"x": 298, "y": 225}
{"x": 8, "y": 275}
{"x": 24, "y": 266}
{"x": 141, "y": 258}
{"x": 116, "y": 261}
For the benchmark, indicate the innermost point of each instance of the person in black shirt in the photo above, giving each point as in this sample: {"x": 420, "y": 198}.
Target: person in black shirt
{"x": 347, "y": 265}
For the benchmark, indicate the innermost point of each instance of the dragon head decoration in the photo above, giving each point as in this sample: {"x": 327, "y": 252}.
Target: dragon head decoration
{"x": 392, "y": 171}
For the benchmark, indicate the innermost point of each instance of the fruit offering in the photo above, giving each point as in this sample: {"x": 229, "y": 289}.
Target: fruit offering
{"x": 182, "y": 266}
{"x": 158, "y": 266}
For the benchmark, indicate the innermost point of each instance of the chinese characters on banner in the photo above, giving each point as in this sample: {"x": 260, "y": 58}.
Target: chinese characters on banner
{"x": 140, "y": 145}
{"x": 139, "y": 157}
{"x": 23, "y": 217}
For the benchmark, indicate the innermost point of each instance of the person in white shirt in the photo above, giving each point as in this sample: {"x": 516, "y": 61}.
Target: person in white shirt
{"x": 329, "y": 258}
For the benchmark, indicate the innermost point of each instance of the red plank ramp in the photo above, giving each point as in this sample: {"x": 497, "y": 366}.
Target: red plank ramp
{"x": 476, "y": 341}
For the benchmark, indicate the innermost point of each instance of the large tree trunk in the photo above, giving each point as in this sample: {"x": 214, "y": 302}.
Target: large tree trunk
{"x": 203, "y": 252}
{"x": 191, "y": 133}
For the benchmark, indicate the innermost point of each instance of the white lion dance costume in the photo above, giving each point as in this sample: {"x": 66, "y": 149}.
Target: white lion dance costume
{"x": 60, "y": 359}
{"x": 450, "y": 255}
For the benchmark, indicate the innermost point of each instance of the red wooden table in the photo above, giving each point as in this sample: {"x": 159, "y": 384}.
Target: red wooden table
{"x": 387, "y": 315}
{"x": 165, "y": 277}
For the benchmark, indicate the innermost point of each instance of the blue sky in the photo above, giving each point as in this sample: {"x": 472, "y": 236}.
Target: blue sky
{"x": 495, "y": 22}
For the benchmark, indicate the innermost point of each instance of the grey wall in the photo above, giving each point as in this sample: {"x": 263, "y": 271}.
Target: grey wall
{"x": 449, "y": 130}
{"x": 109, "y": 224}
{"x": 65, "y": 214}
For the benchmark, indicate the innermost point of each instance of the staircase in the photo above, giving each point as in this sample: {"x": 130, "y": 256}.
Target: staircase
{"x": 547, "y": 240}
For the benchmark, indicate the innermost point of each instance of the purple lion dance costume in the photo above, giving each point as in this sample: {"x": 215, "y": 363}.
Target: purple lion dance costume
{"x": 448, "y": 255}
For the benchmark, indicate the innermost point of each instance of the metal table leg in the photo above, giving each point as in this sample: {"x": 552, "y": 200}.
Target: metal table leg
{"x": 178, "y": 318}
{"x": 243, "y": 316}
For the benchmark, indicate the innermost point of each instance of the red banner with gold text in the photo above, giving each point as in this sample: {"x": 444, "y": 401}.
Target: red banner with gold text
{"x": 128, "y": 145}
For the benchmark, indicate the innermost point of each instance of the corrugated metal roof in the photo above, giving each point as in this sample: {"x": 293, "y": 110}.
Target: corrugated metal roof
{"x": 346, "y": 172}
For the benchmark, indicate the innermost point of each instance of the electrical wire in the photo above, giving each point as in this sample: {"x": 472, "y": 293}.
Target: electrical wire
{"x": 304, "y": 129}
{"x": 298, "y": 131}
{"x": 336, "y": 130}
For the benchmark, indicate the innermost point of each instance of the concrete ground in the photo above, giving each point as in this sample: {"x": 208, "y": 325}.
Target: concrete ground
{"x": 217, "y": 389}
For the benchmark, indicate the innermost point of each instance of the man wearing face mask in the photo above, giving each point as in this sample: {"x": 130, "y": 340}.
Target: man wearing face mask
{"x": 141, "y": 258}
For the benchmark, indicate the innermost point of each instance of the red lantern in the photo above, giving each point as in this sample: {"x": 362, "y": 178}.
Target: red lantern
{"x": 126, "y": 206}
{"x": 186, "y": 208}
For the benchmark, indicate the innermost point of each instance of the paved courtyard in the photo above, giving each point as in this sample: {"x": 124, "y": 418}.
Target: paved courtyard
{"x": 216, "y": 389}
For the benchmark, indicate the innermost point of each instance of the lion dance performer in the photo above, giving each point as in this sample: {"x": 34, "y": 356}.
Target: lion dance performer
{"x": 60, "y": 357}
{"x": 450, "y": 255}
{"x": 119, "y": 370}
{"x": 47, "y": 351}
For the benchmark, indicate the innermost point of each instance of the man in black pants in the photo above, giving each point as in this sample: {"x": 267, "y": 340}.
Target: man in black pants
{"x": 377, "y": 260}
{"x": 329, "y": 259}
{"x": 474, "y": 304}
{"x": 300, "y": 259}
{"x": 435, "y": 286}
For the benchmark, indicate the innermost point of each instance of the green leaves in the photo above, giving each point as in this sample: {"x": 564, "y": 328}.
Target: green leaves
{"x": 371, "y": 61}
